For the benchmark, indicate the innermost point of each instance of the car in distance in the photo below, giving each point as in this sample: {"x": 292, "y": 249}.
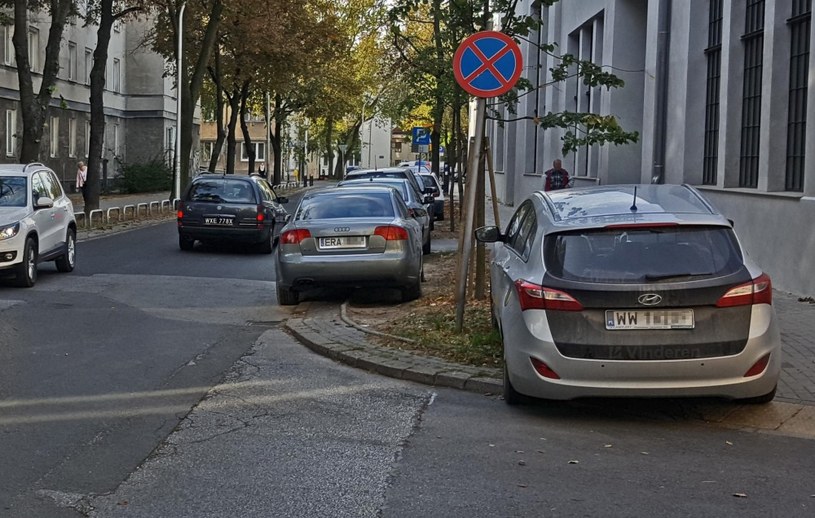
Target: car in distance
{"x": 230, "y": 208}
{"x": 390, "y": 172}
{"x": 350, "y": 236}
{"x": 36, "y": 222}
{"x": 419, "y": 205}
{"x": 630, "y": 290}
{"x": 431, "y": 181}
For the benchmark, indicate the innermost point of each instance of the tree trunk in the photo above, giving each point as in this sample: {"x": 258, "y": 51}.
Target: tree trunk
{"x": 277, "y": 138}
{"x": 441, "y": 70}
{"x": 329, "y": 145}
{"x": 95, "y": 151}
{"x": 34, "y": 108}
{"x": 231, "y": 132}
{"x": 219, "y": 115}
{"x": 247, "y": 138}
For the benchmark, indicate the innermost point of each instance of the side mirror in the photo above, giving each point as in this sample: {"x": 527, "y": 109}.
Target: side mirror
{"x": 428, "y": 199}
{"x": 282, "y": 199}
{"x": 488, "y": 234}
{"x": 732, "y": 223}
{"x": 43, "y": 202}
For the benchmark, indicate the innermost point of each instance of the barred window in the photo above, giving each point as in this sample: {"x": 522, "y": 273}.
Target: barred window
{"x": 799, "y": 24}
{"x": 713, "y": 53}
{"x": 753, "y": 40}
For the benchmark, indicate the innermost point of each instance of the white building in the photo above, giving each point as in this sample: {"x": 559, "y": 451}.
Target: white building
{"x": 375, "y": 139}
{"x": 719, "y": 92}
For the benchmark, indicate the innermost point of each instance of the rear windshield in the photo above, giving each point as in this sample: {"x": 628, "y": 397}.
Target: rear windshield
{"x": 642, "y": 254}
{"x": 336, "y": 205}
{"x": 400, "y": 186}
{"x": 222, "y": 190}
{"x": 429, "y": 181}
{"x": 13, "y": 191}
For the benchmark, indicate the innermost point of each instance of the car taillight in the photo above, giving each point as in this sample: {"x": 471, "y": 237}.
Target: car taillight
{"x": 391, "y": 233}
{"x": 261, "y": 216}
{"x": 543, "y": 369}
{"x": 757, "y": 291}
{"x": 535, "y": 296}
{"x": 293, "y": 237}
{"x": 180, "y": 213}
{"x": 758, "y": 367}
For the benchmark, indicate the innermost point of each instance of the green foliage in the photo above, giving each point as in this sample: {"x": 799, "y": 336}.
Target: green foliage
{"x": 151, "y": 176}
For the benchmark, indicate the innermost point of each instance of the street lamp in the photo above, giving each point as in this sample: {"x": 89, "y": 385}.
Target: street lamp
{"x": 343, "y": 149}
{"x": 180, "y": 63}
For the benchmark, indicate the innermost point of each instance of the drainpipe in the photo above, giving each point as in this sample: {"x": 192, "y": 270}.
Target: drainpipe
{"x": 661, "y": 103}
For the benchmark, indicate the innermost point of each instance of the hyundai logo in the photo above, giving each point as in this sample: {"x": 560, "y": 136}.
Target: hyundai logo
{"x": 649, "y": 299}
{"x": 342, "y": 229}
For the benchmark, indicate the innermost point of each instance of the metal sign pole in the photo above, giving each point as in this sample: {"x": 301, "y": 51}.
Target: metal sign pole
{"x": 467, "y": 236}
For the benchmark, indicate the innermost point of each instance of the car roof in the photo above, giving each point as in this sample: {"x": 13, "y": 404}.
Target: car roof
{"x": 357, "y": 172}
{"x": 19, "y": 169}
{"x": 352, "y": 188}
{"x": 617, "y": 204}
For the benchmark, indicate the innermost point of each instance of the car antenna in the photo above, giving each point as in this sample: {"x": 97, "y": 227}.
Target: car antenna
{"x": 634, "y": 206}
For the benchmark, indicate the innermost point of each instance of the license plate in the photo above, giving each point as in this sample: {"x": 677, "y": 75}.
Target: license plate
{"x": 218, "y": 221}
{"x": 328, "y": 243}
{"x": 650, "y": 319}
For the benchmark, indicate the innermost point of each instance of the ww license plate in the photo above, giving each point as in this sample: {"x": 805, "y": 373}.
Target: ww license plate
{"x": 650, "y": 319}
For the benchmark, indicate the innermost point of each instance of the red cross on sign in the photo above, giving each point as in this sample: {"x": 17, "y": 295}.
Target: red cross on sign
{"x": 487, "y": 64}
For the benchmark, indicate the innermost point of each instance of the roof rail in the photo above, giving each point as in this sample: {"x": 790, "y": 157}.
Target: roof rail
{"x": 25, "y": 167}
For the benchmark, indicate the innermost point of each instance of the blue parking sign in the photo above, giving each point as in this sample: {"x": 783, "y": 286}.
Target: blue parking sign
{"x": 421, "y": 136}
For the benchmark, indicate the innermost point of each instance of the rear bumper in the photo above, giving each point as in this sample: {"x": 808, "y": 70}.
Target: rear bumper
{"x": 702, "y": 377}
{"x": 438, "y": 208}
{"x": 235, "y": 234}
{"x": 388, "y": 269}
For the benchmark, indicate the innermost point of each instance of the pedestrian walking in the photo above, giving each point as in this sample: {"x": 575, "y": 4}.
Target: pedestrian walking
{"x": 82, "y": 179}
{"x": 556, "y": 178}
{"x": 262, "y": 170}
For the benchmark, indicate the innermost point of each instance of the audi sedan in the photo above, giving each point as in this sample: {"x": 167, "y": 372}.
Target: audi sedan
{"x": 353, "y": 237}
{"x": 630, "y": 290}
{"x": 231, "y": 208}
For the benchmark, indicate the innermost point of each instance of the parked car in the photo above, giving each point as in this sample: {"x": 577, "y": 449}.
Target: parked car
{"x": 420, "y": 206}
{"x": 231, "y": 208}
{"x": 352, "y": 236}
{"x": 390, "y": 172}
{"x": 630, "y": 290}
{"x": 431, "y": 181}
{"x": 36, "y": 222}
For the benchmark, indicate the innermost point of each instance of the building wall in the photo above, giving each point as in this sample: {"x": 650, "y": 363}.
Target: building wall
{"x": 741, "y": 165}
{"x": 375, "y": 136}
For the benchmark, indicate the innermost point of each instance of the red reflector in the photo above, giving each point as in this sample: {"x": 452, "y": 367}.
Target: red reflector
{"x": 391, "y": 233}
{"x": 758, "y": 367}
{"x": 534, "y": 296}
{"x": 757, "y": 291}
{"x": 544, "y": 369}
{"x": 293, "y": 237}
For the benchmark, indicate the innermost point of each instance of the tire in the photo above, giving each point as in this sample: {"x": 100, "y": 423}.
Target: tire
{"x": 287, "y": 296}
{"x": 67, "y": 261}
{"x": 266, "y": 247}
{"x": 426, "y": 246}
{"x": 185, "y": 243}
{"x": 413, "y": 290}
{"x": 27, "y": 270}
{"x": 432, "y": 224}
{"x": 511, "y": 396}
{"x": 760, "y": 400}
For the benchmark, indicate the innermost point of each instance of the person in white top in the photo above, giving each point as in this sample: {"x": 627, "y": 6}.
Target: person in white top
{"x": 81, "y": 178}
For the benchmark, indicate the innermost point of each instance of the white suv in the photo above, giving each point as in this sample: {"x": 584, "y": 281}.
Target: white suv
{"x": 36, "y": 222}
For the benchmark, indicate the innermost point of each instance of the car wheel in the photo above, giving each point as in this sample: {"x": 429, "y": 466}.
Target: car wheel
{"x": 433, "y": 224}
{"x": 413, "y": 290}
{"x": 760, "y": 400}
{"x": 267, "y": 245}
{"x": 511, "y": 396}
{"x": 66, "y": 262}
{"x": 426, "y": 247}
{"x": 287, "y": 296}
{"x": 185, "y": 243}
{"x": 27, "y": 270}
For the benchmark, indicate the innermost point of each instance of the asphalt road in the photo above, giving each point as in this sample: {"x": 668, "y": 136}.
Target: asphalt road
{"x": 151, "y": 383}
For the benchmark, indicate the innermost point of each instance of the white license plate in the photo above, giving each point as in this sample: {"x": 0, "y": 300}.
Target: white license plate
{"x": 218, "y": 221}
{"x": 328, "y": 243}
{"x": 650, "y": 319}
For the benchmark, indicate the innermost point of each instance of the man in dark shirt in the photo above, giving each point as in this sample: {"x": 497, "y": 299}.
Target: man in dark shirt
{"x": 556, "y": 178}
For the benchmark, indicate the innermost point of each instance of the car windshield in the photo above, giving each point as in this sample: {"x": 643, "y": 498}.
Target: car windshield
{"x": 640, "y": 255}
{"x": 429, "y": 181}
{"x": 338, "y": 205}
{"x": 222, "y": 190}
{"x": 13, "y": 191}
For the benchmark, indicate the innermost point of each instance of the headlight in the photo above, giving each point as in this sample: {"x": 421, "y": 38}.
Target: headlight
{"x": 9, "y": 231}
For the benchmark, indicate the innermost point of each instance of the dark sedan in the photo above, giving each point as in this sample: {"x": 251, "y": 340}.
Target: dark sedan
{"x": 241, "y": 209}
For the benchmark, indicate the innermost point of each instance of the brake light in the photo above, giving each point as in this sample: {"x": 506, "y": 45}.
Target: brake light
{"x": 180, "y": 214}
{"x": 293, "y": 237}
{"x": 758, "y": 367}
{"x": 757, "y": 291}
{"x": 391, "y": 233}
{"x": 260, "y": 216}
{"x": 543, "y": 369}
{"x": 534, "y": 296}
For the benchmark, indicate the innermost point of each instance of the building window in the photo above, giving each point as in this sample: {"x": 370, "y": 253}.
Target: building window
{"x": 72, "y": 137}
{"x": 799, "y": 73}
{"x": 8, "y": 51}
{"x": 713, "y": 53}
{"x": 260, "y": 151}
{"x": 54, "y": 136}
{"x": 72, "y": 64}
{"x": 11, "y": 131}
{"x": 117, "y": 74}
{"x": 88, "y": 65}
{"x": 34, "y": 49}
{"x": 753, "y": 40}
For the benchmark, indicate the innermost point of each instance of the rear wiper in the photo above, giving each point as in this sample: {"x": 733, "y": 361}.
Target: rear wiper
{"x": 664, "y": 276}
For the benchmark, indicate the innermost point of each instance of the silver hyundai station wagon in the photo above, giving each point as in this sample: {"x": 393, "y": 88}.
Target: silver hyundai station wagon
{"x": 630, "y": 290}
